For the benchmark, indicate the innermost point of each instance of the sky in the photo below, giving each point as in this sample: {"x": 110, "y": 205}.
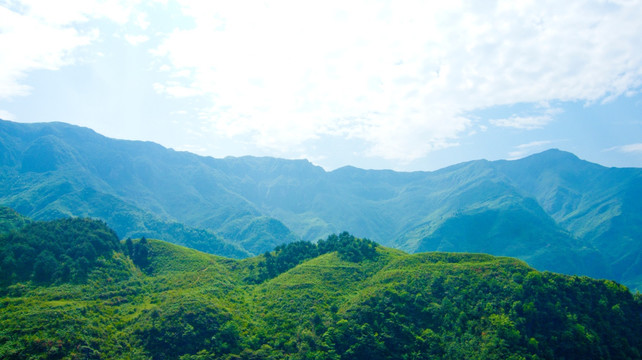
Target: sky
{"x": 404, "y": 85}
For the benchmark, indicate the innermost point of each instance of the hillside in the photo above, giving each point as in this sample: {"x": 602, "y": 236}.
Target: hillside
{"x": 140, "y": 189}
{"x": 11, "y": 220}
{"x": 347, "y": 298}
{"x": 553, "y": 210}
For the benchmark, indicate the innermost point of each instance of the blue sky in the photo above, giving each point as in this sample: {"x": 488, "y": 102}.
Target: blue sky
{"x": 406, "y": 85}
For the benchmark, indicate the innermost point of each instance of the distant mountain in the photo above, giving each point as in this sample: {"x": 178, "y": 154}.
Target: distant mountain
{"x": 88, "y": 296}
{"x": 552, "y": 209}
{"x": 140, "y": 189}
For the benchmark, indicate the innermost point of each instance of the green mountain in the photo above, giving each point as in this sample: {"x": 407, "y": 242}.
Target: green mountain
{"x": 342, "y": 298}
{"x": 553, "y": 210}
{"x": 140, "y": 189}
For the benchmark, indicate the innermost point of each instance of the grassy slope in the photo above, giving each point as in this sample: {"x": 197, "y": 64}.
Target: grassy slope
{"x": 321, "y": 307}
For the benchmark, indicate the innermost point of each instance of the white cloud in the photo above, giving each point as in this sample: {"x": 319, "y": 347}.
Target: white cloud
{"x": 33, "y": 45}
{"x": 66, "y": 12}
{"x": 5, "y": 115}
{"x": 142, "y": 21}
{"x": 174, "y": 89}
{"x": 43, "y": 34}
{"x": 533, "y": 144}
{"x": 529, "y": 122}
{"x": 528, "y": 148}
{"x": 630, "y": 148}
{"x": 523, "y": 122}
{"x": 136, "y": 39}
{"x": 397, "y": 75}
{"x": 400, "y": 77}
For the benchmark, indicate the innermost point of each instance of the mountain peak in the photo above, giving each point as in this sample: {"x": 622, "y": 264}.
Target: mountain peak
{"x": 554, "y": 154}
{"x": 554, "y": 159}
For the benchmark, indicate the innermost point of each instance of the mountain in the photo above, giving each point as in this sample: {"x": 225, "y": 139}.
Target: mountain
{"x": 342, "y": 298}
{"x": 553, "y": 210}
{"x": 140, "y": 189}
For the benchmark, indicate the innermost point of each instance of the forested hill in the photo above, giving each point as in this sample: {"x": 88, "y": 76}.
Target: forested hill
{"x": 341, "y": 298}
{"x": 11, "y": 220}
{"x": 553, "y": 210}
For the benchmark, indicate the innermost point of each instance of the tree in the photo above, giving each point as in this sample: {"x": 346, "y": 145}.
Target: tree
{"x": 141, "y": 253}
{"x": 44, "y": 267}
{"x": 129, "y": 247}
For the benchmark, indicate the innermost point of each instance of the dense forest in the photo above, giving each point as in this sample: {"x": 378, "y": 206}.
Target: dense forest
{"x": 339, "y": 298}
{"x": 55, "y": 252}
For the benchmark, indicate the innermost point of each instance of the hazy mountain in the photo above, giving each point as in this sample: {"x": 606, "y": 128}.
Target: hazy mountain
{"x": 141, "y": 189}
{"x": 89, "y": 296}
{"x": 552, "y": 209}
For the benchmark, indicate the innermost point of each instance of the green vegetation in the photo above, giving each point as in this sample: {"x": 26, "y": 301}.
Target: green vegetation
{"x": 55, "y": 252}
{"x": 11, "y": 220}
{"x": 285, "y": 257}
{"x": 341, "y": 298}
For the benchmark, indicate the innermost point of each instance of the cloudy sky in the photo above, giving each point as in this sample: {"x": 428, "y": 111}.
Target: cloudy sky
{"x": 407, "y": 85}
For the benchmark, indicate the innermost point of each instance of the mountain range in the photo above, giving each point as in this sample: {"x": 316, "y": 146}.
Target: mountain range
{"x": 552, "y": 210}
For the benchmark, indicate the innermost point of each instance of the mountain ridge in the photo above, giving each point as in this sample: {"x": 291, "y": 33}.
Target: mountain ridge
{"x": 257, "y": 203}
